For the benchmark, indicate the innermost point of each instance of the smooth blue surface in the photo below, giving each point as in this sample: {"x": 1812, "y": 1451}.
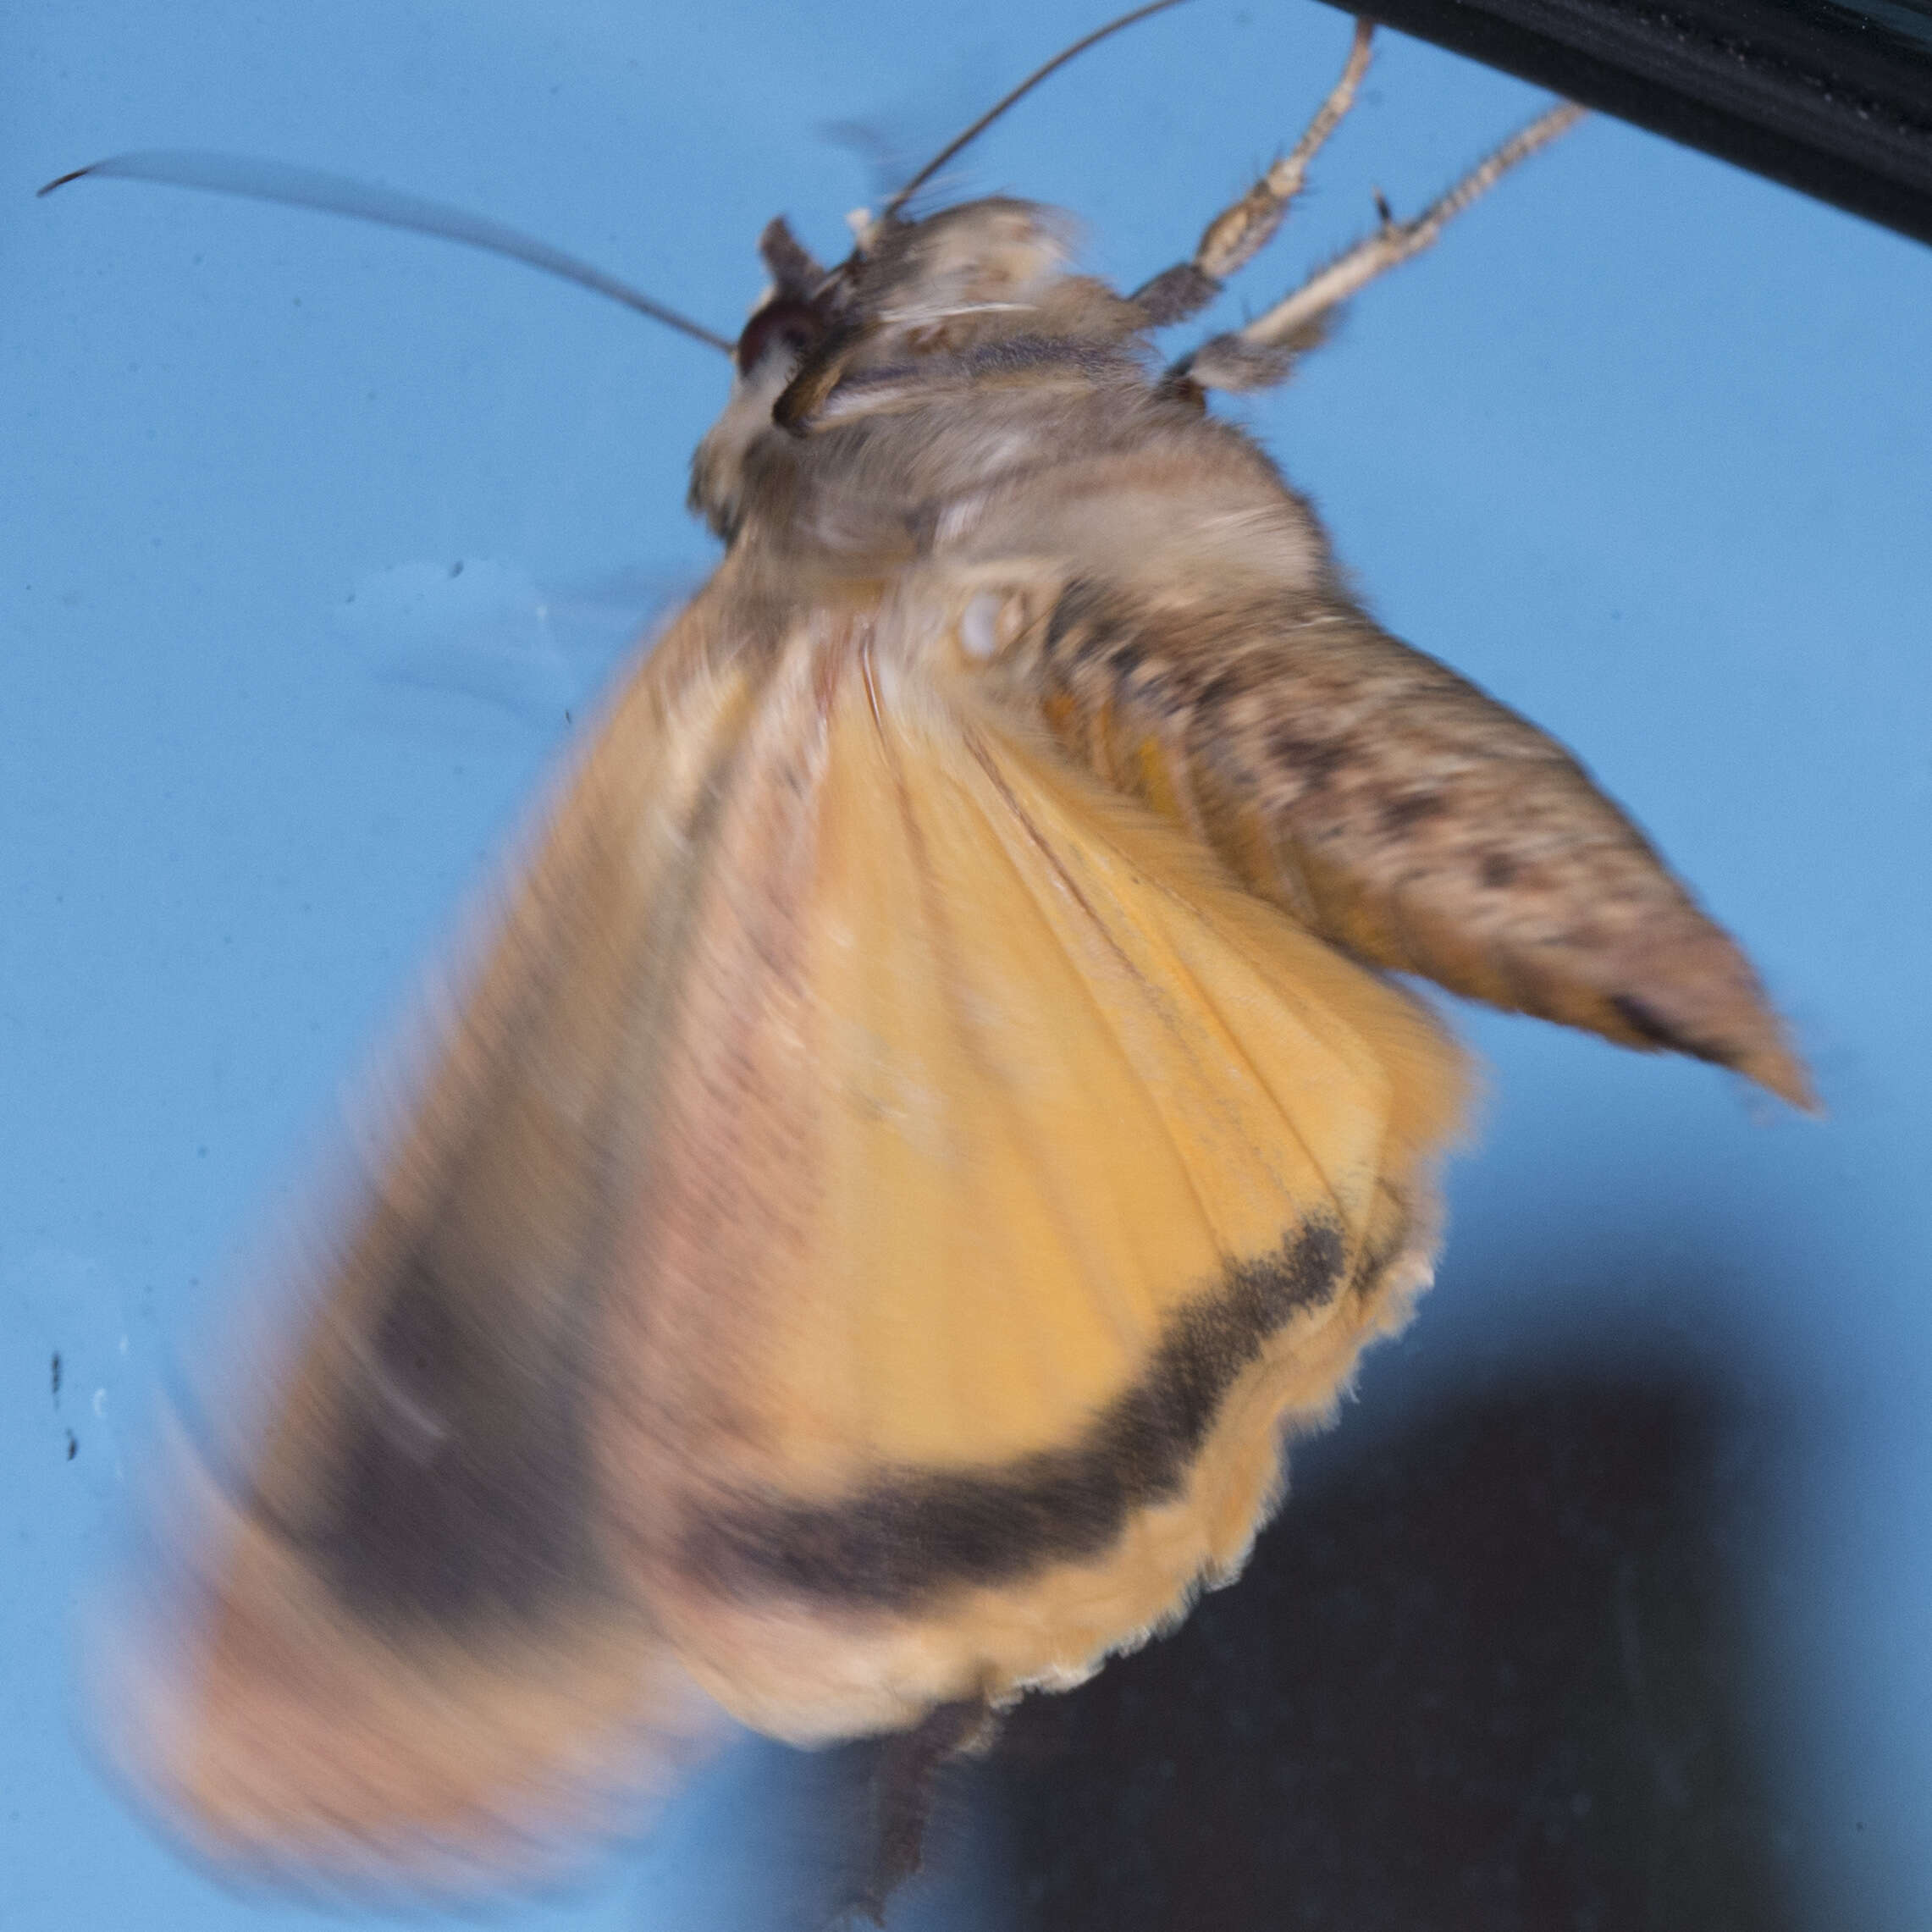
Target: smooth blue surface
{"x": 1645, "y": 447}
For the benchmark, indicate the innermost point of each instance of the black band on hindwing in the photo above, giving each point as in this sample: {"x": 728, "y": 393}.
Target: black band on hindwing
{"x": 914, "y": 1532}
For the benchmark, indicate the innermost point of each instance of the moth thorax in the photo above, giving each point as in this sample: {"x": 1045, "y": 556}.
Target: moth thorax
{"x": 981, "y": 255}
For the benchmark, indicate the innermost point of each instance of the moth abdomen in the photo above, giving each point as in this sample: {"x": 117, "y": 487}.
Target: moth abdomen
{"x": 1398, "y": 808}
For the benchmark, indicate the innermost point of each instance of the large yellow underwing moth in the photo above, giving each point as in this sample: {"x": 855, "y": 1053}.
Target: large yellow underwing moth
{"x": 931, "y": 1109}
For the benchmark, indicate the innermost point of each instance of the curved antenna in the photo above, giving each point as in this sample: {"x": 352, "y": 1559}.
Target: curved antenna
{"x": 1019, "y": 93}
{"x": 336, "y": 195}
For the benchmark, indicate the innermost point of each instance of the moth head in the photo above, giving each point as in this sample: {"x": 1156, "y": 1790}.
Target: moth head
{"x": 796, "y": 312}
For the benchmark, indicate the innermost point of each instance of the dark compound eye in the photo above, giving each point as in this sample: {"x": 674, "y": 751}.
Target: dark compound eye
{"x": 784, "y": 322}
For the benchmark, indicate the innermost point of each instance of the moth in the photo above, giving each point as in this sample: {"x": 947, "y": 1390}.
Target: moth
{"x": 933, "y": 1107}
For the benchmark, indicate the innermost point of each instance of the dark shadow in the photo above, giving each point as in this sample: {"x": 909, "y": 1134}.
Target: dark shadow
{"x": 1483, "y": 1673}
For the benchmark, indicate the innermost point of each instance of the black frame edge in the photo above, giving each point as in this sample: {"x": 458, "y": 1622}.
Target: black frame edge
{"x": 1820, "y": 99}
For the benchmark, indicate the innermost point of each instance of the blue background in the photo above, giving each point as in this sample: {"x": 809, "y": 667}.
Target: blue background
{"x": 1644, "y": 447}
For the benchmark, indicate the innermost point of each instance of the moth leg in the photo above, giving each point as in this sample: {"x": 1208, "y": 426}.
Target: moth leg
{"x": 904, "y": 1787}
{"x": 1262, "y": 354}
{"x": 1241, "y": 230}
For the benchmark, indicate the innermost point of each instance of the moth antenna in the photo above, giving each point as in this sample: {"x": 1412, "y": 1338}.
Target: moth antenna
{"x": 1243, "y": 229}
{"x": 1260, "y": 355}
{"x": 961, "y": 141}
{"x": 278, "y": 181}
{"x": 884, "y": 162}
